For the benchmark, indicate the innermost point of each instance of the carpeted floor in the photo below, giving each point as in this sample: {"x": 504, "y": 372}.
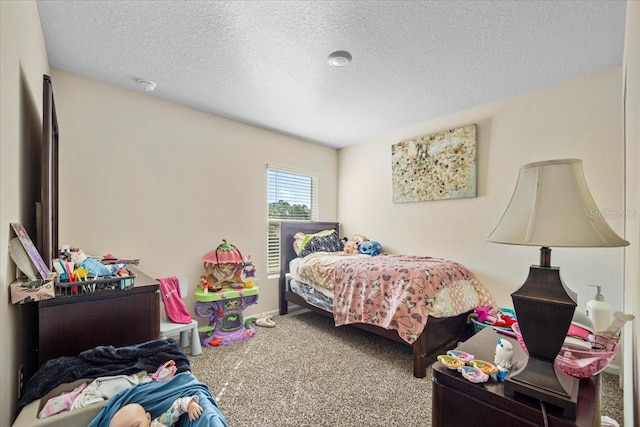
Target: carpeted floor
{"x": 306, "y": 372}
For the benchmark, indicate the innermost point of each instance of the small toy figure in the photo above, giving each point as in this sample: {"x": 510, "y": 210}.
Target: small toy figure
{"x": 205, "y": 286}
{"x": 493, "y": 316}
{"x": 134, "y": 415}
{"x": 95, "y": 267}
{"x": 165, "y": 372}
{"x": 472, "y": 374}
{"x": 503, "y": 358}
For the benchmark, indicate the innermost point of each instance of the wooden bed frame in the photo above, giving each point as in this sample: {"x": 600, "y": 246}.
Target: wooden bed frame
{"x": 440, "y": 334}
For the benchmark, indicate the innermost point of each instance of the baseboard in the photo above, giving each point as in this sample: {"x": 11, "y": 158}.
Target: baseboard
{"x": 612, "y": 369}
{"x": 293, "y": 309}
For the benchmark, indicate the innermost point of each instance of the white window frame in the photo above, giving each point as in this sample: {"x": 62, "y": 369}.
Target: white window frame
{"x": 292, "y": 189}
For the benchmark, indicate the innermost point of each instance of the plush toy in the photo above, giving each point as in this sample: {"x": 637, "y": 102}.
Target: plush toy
{"x": 134, "y": 415}
{"x": 359, "y": 239}
{"x": 352, "y": 246}
{"x": 370, "y": 247}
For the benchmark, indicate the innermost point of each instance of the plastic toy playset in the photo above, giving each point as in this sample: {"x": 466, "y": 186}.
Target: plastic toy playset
{"x": 225, "y": 290}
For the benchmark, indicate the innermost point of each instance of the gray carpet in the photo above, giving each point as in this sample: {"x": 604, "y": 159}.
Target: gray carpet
{"x": 306, "y": 372}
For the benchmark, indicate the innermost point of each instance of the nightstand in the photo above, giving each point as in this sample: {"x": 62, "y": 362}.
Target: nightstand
{"x": 458, "y": 402}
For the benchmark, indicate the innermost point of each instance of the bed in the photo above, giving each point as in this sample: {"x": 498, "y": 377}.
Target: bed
{"x": 129, "y": 364}
{"x": 434, "y": 335}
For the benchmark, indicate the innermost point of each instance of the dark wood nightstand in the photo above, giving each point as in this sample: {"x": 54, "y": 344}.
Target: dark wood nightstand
{"x": 458, "y": 402}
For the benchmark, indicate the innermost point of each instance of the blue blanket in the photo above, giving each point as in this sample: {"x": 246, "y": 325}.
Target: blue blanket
{"x": 157, "y": 396}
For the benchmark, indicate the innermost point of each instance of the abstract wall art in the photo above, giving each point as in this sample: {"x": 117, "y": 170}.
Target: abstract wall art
{"x": 435, "y": 167}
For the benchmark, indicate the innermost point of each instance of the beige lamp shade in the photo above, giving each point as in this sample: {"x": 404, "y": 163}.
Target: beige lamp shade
{"x": 551, "y": 206}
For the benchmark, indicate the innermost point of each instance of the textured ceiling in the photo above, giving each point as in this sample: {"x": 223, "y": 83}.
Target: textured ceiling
{"x": 265, "y": 62}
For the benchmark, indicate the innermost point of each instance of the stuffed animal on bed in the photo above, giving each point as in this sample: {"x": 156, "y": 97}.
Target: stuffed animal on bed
{"x": 352, "y": 246}
{"x": 134, "y": 415}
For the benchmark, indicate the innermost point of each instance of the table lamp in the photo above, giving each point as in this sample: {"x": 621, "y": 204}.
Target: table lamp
{"x": 551, "y": 206}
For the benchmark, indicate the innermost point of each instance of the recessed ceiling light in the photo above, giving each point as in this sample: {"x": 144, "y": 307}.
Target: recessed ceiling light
{"x": 147, "y": 85}
{"x": 340, "y": 58}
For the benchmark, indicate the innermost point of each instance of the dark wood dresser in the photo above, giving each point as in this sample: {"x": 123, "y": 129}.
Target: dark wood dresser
{"x": 458, "y": 402}
{"x": 66, "y": 326}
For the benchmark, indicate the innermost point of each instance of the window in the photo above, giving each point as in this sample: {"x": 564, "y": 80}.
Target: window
{"x": 292, "y": 196}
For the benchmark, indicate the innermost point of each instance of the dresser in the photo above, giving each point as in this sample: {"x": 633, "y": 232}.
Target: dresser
{"x": 458, "y": 402}
{"x": 66, "y": 326}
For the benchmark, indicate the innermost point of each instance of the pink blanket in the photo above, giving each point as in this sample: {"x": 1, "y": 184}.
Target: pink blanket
{"x": 392, "y": 291}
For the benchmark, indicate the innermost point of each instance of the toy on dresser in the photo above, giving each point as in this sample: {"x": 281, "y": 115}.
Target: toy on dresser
{"x": 78, "y": 273}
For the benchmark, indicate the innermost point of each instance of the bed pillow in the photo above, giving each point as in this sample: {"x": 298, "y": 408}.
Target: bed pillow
{"x": 325, "y": 241}
{"x": 300, "y": 240}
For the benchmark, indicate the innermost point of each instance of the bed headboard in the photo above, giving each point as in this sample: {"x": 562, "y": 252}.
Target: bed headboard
{"x": 288, "y": 229}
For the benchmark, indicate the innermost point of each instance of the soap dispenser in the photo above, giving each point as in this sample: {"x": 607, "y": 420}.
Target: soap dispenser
{"x": 599, "y": 311}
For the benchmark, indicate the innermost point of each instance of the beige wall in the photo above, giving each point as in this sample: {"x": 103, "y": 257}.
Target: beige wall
{"x": 145, "y": 178}
{"x": 149, "y": 179}
{"x": 632, "y": 274}
{"x": 581, "y": 118}
{"x": 23, "y": 61}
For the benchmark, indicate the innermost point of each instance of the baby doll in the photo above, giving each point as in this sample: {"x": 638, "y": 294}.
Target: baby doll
{"x": 134, "y": 415}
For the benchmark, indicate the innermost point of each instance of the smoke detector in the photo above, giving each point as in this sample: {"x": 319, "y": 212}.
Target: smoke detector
{"x": 146, "y": 85}
{"x": 339, "y": 58}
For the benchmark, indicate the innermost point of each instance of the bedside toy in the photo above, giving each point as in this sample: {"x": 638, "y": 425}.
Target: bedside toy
{"x": 370, "y": 247}
{"x": 134, "y": 414}
{"x": 503, "y": 358}
{"x": 462, "y": 355}
{"x": 450, "y": 362}
{"x": 504, "y": 320}
{"x": 472, "y": 374}
{"x": 493, "y": 316}
{"x": 486, "y": 367}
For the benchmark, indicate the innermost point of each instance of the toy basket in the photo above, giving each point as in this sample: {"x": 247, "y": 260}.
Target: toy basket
{"x": 478, "y": 326}
{"x": 581, "y": 363}
{"x": 586, "y": 363}
{"x": 106, "y": 283}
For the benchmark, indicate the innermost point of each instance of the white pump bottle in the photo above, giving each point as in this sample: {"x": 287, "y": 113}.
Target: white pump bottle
{"x": 599, "y": 311}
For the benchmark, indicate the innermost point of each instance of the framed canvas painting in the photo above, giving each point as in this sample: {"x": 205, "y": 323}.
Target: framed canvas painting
{"x": 435, "y": 167}
{"x": 31, "y": 250}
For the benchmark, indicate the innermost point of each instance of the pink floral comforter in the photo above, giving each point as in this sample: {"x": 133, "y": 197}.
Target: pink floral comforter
{"x": 392, "y": 291}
